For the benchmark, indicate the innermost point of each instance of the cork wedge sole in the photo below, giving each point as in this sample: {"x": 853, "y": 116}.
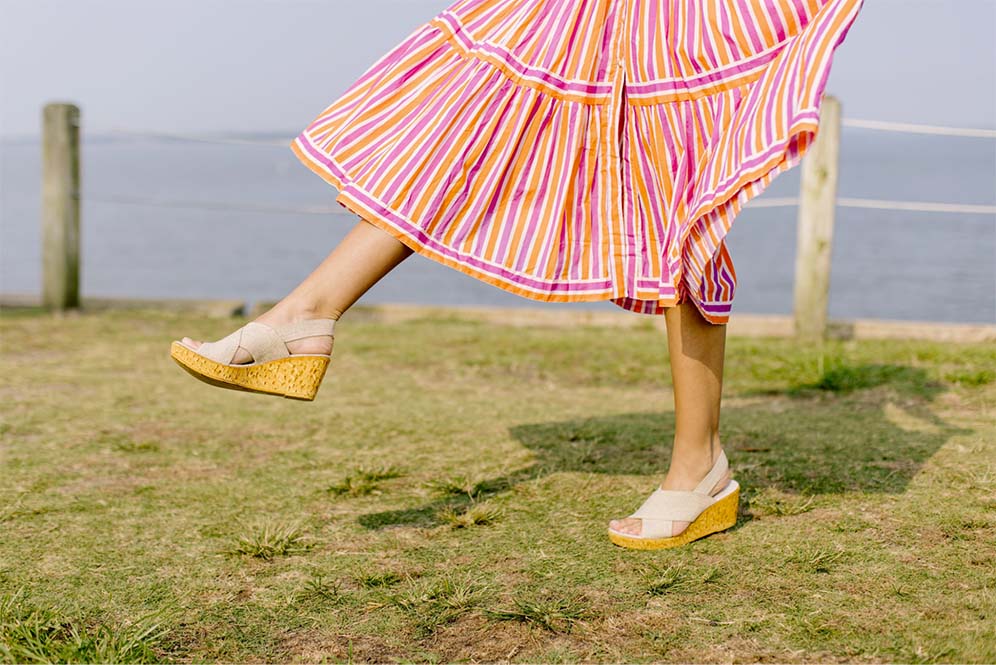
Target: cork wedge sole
{"x": 720, "y": 516}
{"x": 295, "y": 377}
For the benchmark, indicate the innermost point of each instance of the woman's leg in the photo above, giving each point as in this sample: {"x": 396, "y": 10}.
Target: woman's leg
{"x": 697, "y": 349}
{"x": 366, "y": 254}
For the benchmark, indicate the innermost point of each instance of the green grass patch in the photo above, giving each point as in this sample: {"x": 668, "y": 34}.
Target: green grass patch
{"x": 32, "y": 634}
{"x": 978, "y": 377}
{"x": 474, "y": 515}
{"x": 446, "y": 498}
{"x": 553, "y": 612}
{"x": 269, "y": 540}
{"x": 679, "y": 577}
{"x": 432, "y": 603}
{"x": 321, "y": 590}
{"x": 457, "y": 485}
{"x": 377, "y": 580}
{"x": 363, "y": 481}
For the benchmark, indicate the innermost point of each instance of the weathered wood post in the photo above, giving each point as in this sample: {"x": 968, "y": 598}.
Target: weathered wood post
{"x": 815, "y": 225}
{"x": 60, "y": 206}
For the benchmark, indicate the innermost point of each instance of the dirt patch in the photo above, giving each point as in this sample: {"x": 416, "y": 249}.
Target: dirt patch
{"x": 473, "y": 637}
{"x": 313, "y": 646}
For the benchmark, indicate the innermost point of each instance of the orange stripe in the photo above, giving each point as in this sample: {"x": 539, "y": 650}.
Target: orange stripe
{"x": 580, "y": 98}
{"x": 521, "y": 27}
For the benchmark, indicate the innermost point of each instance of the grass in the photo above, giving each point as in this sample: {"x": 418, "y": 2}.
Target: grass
{"x": 773, "y": 502}
{"x": 269, "y": 540}
{"x": 433, "y": 603}
{"x": 662, "y": 579}
{"x": 457, "y": 485}
{"x": 42, "y": 634}
{"x": 554, "y": 613}
{"x": 320, "y": 589}
{"x": 378, "y": 579}
{"x": 446, "y": 496}
{"x": 364, "y": 481}
{"x": 472, "y": 516}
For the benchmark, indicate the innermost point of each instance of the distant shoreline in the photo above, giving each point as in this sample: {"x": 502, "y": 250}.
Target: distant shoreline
{"x": 740, "y": 325}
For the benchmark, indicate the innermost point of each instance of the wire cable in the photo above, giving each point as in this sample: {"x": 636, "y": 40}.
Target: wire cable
{"x": 775, "y": 202}
{"x": 876, "y": 204}
{"x": 858, "y": 123}
{"x": 911, "y": 128}
{"x": 215, "y": 205}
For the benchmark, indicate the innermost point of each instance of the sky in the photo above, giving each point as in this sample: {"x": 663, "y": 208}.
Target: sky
{"x": 210, "y": 66}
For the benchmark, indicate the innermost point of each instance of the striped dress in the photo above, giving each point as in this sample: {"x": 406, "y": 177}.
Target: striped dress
{"x": 579, "y": 150}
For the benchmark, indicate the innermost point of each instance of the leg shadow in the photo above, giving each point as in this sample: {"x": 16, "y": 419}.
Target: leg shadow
{"x": 862, "y": 428}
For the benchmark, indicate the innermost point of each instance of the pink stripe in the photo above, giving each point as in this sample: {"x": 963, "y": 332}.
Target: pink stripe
{"x": 468, "y": 113}
{"x": 397, "y": 220}
{"x": 592, "y": 88}
{"x": 517, "y": 200}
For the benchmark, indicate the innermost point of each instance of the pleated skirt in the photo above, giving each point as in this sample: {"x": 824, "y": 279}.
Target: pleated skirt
{"x": 582, "y": 150}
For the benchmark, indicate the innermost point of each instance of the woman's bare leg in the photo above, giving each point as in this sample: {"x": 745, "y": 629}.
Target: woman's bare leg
{"x": 697, "y": 349}
{"x": 365, "y": 255}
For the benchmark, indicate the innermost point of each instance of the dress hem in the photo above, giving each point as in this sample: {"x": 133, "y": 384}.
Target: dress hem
{"x": 350, "y": 202}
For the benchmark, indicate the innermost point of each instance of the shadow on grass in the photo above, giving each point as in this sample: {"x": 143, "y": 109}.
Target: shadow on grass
{"x": 838, "y": 434}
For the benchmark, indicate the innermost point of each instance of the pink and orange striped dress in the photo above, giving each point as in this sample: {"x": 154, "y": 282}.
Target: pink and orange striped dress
{"x": 578, "y": 150}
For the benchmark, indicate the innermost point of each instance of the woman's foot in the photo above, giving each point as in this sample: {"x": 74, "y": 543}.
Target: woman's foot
{"x": 285, "y": 312}
{"x": 682, "y": 475}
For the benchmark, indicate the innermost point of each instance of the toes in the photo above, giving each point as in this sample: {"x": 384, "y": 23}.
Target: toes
{"x": 242, "y": 356}
{"x": 630, "y": 525}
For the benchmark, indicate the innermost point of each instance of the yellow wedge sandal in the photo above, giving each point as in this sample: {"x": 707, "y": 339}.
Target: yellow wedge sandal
{"x": 706, "y": 513}
{"x": 274, "y": 370}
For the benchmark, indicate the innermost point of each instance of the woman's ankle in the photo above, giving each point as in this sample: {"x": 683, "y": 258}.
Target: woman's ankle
{"x": 317, "y": 309}
{"x": 293, "y": 310}
{"x": 693, "y": 461}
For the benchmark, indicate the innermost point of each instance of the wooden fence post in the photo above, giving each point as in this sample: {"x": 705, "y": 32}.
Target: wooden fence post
{"x": 60, "y": 206}
{"x": 815, "y": 225}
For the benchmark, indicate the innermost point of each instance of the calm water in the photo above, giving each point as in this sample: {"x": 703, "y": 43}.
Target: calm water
{"x": 885, "y": 264}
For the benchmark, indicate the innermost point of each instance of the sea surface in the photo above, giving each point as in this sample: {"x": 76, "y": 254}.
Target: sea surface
{"x": 887, "y": 264}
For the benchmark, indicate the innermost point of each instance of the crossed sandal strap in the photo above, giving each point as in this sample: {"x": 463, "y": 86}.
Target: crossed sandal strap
{"x": 260, "y": 340}
{"x": 681, "y": 505}
{"x": 663, "y": 507}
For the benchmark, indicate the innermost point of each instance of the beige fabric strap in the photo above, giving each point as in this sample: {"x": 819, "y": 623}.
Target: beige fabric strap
{"x": 673, "y": 505}
{"x": 715, "y": 474}
{"x": 260, "y": 340}
{"x": 264, "y": 343}
{"x": 663, "y": 507}
{"x": 651, "y": 528}
{"x": 222, "y": 350}
{"x": 307, "y": 328}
